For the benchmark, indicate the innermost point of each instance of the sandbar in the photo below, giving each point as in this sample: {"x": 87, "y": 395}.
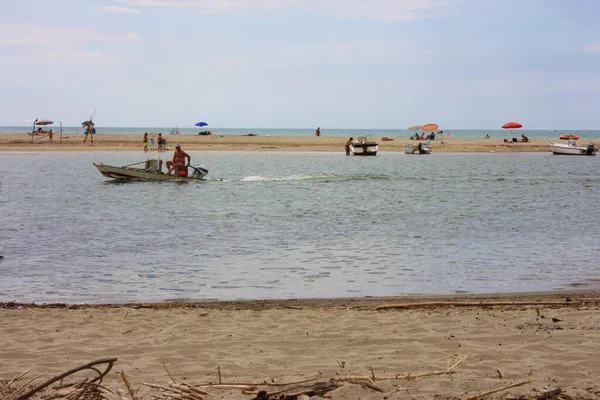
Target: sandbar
{"x": 128, "y": 142}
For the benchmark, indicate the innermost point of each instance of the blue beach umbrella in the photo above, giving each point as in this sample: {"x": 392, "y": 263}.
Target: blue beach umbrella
{"x": 86, "y": 123}
{"x": 201, "y": 123}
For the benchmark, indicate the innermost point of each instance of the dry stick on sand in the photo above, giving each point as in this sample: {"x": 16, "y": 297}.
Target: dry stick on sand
{"x": 128, "y": 386}
{"x": 14, "y": 379}
{"x": 90, "y": 365}
{"x": 471, "y": 304}
{"x": 403, "y": 377}
{"x": 479, "y": 395}
{"x": 24, "y": 385}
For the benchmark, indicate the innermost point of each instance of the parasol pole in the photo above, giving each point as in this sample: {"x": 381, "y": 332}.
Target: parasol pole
{"x": 33, "y": 130}
{"x": 60, "y": 132}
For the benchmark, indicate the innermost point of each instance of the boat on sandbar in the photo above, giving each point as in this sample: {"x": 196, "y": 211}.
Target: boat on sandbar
{"x": 151, "y": 170}
{"x": 421, "y": 148}
{"x": 362, "y": 147}
{"x": 572, "y": 149}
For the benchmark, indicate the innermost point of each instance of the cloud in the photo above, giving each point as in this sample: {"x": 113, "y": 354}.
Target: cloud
{"x": 214, "y": 6}
{"x": 593, "y": 48}
{"x": 380, "y": 10}
{"x": 121, "y": 10}
{"x": 388, "y": 10}
{"x": 71, "y": 57}
{"x": 36, "y": 35}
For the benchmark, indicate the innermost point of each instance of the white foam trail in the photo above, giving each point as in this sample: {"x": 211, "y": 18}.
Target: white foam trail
{"x": 260, "y": 178}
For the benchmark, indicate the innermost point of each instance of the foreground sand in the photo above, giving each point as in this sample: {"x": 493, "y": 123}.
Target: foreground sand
{"x": 288, "y": 340}
{"x": 22, "y": 142}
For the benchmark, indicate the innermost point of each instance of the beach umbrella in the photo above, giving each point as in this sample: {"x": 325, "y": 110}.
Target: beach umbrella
{"x": 415, "y": 127}
{"x": 201, "y": 123}
{"x": 43, "y": 122}
{"x": 512, "y": 125}
{"x": 86, "y": 123}
{"x": 430, "y": 127}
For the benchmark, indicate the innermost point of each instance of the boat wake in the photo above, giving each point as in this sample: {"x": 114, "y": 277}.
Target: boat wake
{"x": 314, "y": 177}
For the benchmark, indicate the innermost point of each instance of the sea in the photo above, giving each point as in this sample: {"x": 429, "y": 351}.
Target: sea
{"x": 454, "y": 133}
{"x": 282, "y": 225}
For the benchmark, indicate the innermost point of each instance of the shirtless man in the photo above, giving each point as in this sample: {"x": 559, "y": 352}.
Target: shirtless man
{"x": 179, "y": 158}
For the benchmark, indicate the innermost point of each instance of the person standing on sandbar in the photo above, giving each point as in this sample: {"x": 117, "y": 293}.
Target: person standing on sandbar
{"x": 318, "y": 132}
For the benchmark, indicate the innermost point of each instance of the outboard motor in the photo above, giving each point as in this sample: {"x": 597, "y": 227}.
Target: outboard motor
{"x": 590, "y": 150}
{"x": 198, "y": 171}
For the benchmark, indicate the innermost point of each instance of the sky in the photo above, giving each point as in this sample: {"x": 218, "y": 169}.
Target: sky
{"x": 379, "y": 64}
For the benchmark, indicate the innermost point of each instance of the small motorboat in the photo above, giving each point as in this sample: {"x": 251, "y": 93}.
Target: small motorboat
{"x": 151, "y": 170}
{"x": 364, "y": 148}
{"x": 572, "y": 149}
{"x": 421, "y": 148}
{"x": 566, "y": 137}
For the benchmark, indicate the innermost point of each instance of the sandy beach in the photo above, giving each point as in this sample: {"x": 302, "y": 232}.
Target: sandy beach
{"x": 550, "y": 344}
{"x": 112, "y": 142}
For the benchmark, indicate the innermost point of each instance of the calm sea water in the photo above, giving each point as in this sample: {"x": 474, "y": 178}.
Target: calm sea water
{"x": 455, "y": 133}
{"x": 297, "y": 225}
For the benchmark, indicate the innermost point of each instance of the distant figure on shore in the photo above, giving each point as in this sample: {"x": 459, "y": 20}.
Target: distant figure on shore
{"x": 160, "y": 142}
{"x": 178, "y": 162}
{"x": 348, "y": 144}
{"x": 487, "y": 136}
{"x": 422, "y": 135}
{"x": 318, "y": 132}
{"x": 50, "y": 136}
{"x": 146, "y": 142}
{"x": 448, "y": 134}
{"x": 524, "y": 139}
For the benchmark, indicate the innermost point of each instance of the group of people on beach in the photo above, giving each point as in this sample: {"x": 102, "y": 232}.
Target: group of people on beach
{"x": 423, "y": 137}
{"x": 524, "y": 139}
{"x": 162, "y": 142}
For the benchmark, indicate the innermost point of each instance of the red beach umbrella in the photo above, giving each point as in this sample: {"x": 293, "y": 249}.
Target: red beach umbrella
{"x": 430, "y": 127}
{"x": 511, "y": 125}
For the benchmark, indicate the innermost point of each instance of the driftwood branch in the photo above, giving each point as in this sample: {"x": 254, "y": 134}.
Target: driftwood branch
{"x": 401, "y": 306}
{"x": 14, "y": 379}
{"x": 291, "y": 393}
{"x": 399, "y": 376}
{"x": 479, "y": 395}
{"x": 109, "y": 361}
{"x": 128, "y": 386}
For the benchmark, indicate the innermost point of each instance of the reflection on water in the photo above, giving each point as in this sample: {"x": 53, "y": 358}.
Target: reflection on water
{"x": 289, "y": 225}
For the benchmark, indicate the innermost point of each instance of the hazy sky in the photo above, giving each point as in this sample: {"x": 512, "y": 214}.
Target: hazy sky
{"x": 302, "y": 63}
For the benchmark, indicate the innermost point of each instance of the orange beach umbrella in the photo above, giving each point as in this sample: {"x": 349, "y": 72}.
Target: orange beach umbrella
{"x": 511, "y": 125}
{"x": 430, "y": 127}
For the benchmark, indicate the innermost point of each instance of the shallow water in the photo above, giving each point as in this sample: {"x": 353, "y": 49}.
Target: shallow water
{"x": 297, "y": 225}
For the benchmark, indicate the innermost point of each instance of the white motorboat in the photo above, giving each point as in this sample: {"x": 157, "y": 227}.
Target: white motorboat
{"x": 151, "y": 170}
{"x": 572, "y": 149}
{"x": 421, "y": 148}
{"x": 364, "y": 148}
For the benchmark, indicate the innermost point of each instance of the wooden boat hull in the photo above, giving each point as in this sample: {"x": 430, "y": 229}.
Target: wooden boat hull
{"x": 129, "y": 173}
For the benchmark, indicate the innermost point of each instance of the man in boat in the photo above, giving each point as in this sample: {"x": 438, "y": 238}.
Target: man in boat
{"x": 179, "y": 158}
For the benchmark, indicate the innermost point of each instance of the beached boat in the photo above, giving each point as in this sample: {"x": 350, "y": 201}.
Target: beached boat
{"x": 421, "y": 148}
{"x": 150, "y": 170}
{"x": 364, "y": 148}
{"x": 572, "y": 149}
